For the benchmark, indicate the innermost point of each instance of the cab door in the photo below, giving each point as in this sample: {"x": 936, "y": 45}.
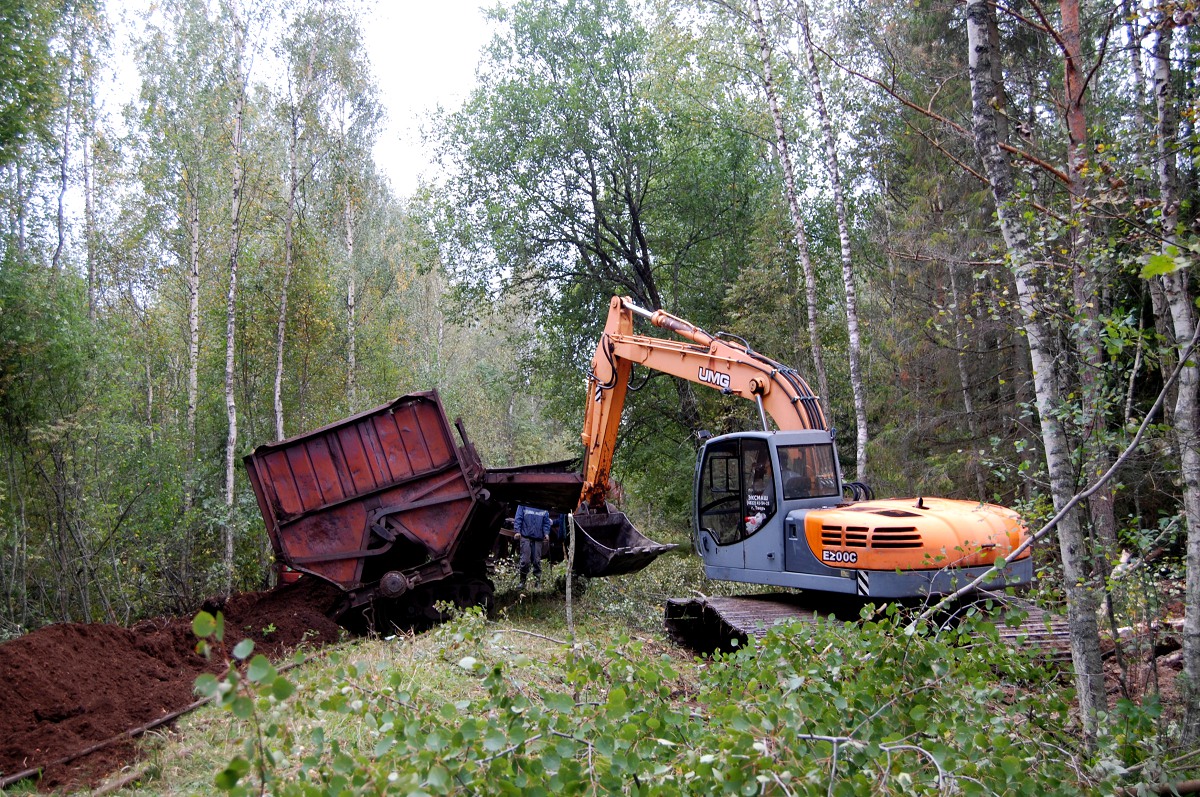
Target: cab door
{"x": 762, "y": 533}
{"x": 719, "y": 508}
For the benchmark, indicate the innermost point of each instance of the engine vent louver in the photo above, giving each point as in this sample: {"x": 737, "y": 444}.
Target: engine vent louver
{"x": 896, "y": 513}
{"x": 902, "y": 537}
{"x": 864, "y": 537}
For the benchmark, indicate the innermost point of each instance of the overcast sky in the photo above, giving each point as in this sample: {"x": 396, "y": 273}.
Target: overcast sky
{"x": 424, "y": 54}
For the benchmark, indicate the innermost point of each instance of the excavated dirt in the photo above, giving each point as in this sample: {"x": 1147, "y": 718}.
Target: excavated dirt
{"x": 64, "y": 688}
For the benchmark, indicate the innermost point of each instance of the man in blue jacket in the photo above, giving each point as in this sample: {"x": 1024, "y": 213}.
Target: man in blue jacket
{"x": 533, "y": 526}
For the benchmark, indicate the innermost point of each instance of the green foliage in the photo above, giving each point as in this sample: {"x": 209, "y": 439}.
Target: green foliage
{"x": 877, "y": 707}
{"x": 28, "y": 88}
{"x": 249, "y": 687}
{"x": 593, "y": 159}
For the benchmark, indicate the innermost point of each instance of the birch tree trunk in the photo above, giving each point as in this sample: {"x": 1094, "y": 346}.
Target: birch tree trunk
{"x": 235, "y": 231}
{"x": 289, "y": 246}
{"x": 21, "y": 243}
{"x": 193, "y": 379}
{"x": 839, "y": 201}
{"x": 1082, "y": 602}
{"x": 65, "y": 157}
{"x": 351, "y": 300}
{"x": 288, "y": 255}
{"x": 1183, "y": 322}
{"x": 89, "y": 217}
{"x": 192, "y": 279}
{"x": 799, "y": 231}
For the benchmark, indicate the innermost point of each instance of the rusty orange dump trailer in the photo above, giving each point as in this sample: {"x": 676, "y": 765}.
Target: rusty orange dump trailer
{"x": 387, "y": 506}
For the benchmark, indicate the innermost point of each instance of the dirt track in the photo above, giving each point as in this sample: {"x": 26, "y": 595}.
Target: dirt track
{"x": 66, "y": 687}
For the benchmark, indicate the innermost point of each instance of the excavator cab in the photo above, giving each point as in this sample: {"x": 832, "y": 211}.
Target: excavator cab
{"x": 769, "y": 509}
{"x": 746, "y": 483}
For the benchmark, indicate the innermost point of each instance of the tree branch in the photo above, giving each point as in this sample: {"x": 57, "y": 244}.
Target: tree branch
{"x": 1095, "y": 487}
{"x": 1058, "y": 174}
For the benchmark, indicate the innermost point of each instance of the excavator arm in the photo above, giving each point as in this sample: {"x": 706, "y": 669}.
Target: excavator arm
{"x": 720, "y": 362}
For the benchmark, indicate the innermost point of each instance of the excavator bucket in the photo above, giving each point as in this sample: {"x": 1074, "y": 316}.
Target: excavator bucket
{"x": 609, "y": 545}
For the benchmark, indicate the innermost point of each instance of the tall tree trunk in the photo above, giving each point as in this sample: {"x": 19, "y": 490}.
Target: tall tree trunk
{"x": 1183, "y": 322}
{"x": 351, "y": 302}
{"x": 65, "y": 156}
{"x": 193, "y": 379}
{"x": 289, "y": 223}
{"x": 288, "y": 255}
{"x": 149, "y": 393}
{"x": 799, "y": 232}
{"x": 964, "y": 382}
{"x": 20, "y": 209}
{"x": 1085, "y": 284}
{"x": 89, "y": 216}
{"x": 1081, "y": 598}
{"x": 839, "y": 201}
{"x": 235, "y": 232}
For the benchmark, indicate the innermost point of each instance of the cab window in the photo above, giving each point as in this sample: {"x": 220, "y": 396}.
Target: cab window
{"x": 737, "y": 489}
{"x": 720, "y": 504}
{"x": 808, "y": 471}
{"x": 760, "y": 485}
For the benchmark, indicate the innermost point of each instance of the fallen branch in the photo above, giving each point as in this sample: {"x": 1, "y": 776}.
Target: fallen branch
{"x": 133, "y": 733}
{"x": 533, "y": 634}
{"x": 1095, "y": 487}
{"x": 1182, "y": 787}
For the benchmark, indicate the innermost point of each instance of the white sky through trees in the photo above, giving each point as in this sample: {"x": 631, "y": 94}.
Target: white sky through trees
{"x": 423, "y": 54}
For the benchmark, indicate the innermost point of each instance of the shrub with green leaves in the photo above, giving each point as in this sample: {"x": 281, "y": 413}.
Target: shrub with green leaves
{"x": 877, "y": 707}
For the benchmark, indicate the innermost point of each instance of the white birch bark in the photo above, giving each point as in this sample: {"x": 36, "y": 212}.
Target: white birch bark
{"x": 235, "y": 231}
{"x": 289, "y": 247}
{"x": 89, "y": 220}
{"x": 288, "y": 255}
{"x": 799, "y": 231}
{"x": 1183, "y": 322}
{"x": 65, "y": 158}
{"x": 351, "y": 302}
{"x": 1082, "y": 602}
{"x": 835, "y": 178}
{"x": 149, "y": 399}
{"x": 192, "y": 280}
{"x": 20, "y": 203}
{"x": 193, "y": 379}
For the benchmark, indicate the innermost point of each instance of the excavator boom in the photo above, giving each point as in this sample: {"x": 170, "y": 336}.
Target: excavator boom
{"x": 710, "y": 360}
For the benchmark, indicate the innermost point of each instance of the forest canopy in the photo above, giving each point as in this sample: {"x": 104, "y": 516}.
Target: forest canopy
{"x": 972, "y": 226}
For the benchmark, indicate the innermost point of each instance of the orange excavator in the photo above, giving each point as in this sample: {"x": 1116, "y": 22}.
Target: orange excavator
{"x": 770, "y": 505}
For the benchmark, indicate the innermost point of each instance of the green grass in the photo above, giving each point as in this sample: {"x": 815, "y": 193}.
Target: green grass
{"x": 513, "y": 705}
{"x": 529, "y": 627}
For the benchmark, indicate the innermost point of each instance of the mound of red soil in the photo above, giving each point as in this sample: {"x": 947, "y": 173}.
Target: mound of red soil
{"x": 64, "y": 688}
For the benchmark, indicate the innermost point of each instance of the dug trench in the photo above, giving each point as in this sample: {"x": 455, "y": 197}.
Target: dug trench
{"x": 68, "y": 688}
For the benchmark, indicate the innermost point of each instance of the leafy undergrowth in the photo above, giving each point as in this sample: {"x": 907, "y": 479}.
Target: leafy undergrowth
{"x": 509, "y": 706}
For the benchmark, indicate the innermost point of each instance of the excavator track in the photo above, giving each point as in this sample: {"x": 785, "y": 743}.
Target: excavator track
{"x": 1022, "y": 623}
{"x": 707, "y": 624}
{"x": 726, "y": 623}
